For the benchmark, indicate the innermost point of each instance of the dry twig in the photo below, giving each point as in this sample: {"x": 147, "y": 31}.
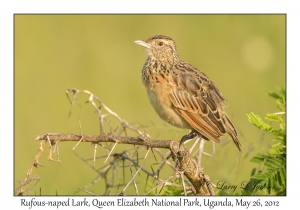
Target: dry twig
{"x": 196, "y": 182}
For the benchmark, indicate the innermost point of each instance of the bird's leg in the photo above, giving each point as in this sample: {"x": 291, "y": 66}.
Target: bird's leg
{"x": 192, "y": 134}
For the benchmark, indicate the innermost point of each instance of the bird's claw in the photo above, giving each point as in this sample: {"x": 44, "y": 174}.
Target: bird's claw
{"x": 187, "y": 137}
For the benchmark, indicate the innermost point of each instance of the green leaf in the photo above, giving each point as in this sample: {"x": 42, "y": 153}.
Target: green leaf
{"x": 279, "y": 132}
{"x": 260, "y": 176}
{"x": 258, "y": 122}
{"x": 282, "y": 176}
{"x": 277, "y": 144}
{"x": 274, "y": 95}
{"x": 253, "y": 171}
{"x": 257, "y": 160}
{"x": 281, "y": 107}
{"x": 271, "y": 185}
{"x": 273, "y": 117}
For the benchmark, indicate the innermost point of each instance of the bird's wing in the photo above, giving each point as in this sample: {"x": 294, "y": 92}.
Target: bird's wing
{"x": 200, "y": 103}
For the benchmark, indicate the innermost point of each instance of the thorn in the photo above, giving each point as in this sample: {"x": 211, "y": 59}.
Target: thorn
{"x": 110, "y": 152}
{"x": 148, "y": 150}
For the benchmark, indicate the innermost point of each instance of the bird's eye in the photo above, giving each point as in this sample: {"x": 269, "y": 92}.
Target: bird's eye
{"x": 160, "y": 43}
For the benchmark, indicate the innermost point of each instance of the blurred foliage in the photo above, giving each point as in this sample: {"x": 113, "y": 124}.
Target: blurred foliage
{"x": 242, "y": 54}
{"x": 270, "y": 176}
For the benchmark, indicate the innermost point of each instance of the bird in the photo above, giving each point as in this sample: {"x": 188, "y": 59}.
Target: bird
{"x": 182, "y": 95}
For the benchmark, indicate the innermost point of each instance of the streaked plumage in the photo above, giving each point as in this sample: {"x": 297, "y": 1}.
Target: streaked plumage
{"x": 181, "y": 94}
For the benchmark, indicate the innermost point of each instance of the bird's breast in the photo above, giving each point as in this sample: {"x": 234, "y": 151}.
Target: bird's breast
{"x": 159, "y": 86}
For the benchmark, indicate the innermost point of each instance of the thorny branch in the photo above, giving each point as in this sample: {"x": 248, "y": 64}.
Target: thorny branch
{"x": 197, "y": 182}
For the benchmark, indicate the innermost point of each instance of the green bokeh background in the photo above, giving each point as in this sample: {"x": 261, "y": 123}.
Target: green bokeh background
{"x": 245, "y": 55}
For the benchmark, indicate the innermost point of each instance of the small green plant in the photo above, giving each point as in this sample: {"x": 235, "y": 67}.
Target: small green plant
{"x": 270, "y": 175}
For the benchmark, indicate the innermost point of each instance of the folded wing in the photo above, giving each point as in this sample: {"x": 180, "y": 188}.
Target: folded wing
{"x": 202, "y": 105}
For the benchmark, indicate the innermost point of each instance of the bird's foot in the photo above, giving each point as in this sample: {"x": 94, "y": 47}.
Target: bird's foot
{"x": 187, "y": 137}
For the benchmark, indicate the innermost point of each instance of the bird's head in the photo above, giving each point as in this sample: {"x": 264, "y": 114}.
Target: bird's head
{"x": 159, "y": 47}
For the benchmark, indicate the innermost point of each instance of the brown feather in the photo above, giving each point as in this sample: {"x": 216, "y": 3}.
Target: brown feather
{"x": 199, "y": 124}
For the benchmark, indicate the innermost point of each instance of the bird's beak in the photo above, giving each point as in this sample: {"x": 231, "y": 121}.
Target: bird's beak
{"x": 143, "y": 43}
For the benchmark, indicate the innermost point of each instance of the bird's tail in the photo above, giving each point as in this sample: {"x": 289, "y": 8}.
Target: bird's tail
{"x": 232, "y": 132}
